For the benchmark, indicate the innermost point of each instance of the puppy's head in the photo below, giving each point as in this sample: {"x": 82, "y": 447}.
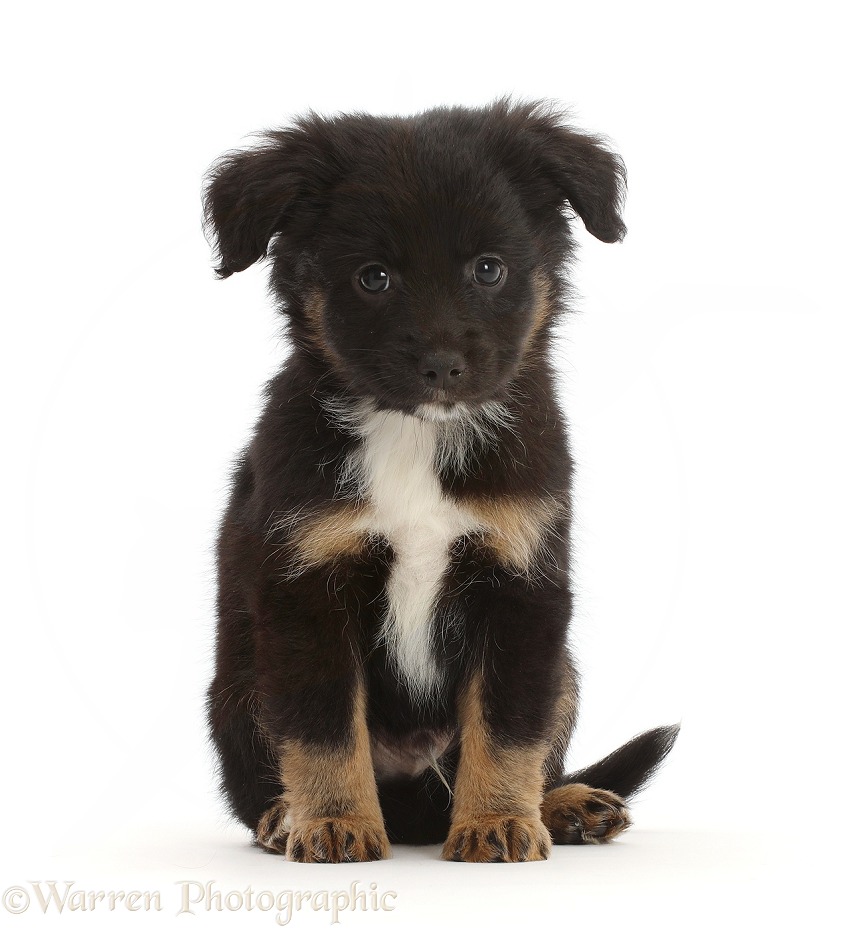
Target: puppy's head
{"x": 417, "y": 256}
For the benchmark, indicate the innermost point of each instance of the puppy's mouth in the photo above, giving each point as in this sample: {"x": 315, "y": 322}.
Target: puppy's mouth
{"x": 397, "y": 388}
{"x": 441, "y": 406}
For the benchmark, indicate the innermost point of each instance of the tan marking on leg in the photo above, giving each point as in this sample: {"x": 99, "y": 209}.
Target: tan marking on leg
{"x": 496, "y": 810}
{"x": 578, "y": 815}
{"x": 335, "y": 531}
{"x": 332, "y": 805}
{"x": 515, "y": 527}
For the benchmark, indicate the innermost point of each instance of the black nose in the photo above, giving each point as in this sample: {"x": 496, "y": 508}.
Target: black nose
{"x": 441, "y": 369}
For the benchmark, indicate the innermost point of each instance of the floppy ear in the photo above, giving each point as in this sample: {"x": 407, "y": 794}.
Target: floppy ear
{"x": 558, "y": 164}
{"x": 252, "y": 195}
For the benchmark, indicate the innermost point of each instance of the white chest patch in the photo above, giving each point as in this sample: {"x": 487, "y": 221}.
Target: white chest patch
{"x": 395, "y": 470}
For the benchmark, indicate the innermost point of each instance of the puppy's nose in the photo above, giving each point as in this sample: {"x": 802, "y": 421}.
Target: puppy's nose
{"x": 442, "y": 369}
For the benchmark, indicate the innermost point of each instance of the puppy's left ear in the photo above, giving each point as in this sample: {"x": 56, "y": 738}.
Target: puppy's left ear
{"x": 556, "y": 163}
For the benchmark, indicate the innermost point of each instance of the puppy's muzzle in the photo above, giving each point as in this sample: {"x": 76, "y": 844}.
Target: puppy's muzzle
{"x": 442, "y": 370}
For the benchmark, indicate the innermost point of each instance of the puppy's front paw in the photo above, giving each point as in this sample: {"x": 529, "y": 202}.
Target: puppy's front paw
{"x": 579, "y": 815}
{"x": 338, "y": 839}
{"x": 498, "y": 838}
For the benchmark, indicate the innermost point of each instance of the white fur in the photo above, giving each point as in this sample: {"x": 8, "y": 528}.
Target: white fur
{"x": 396, "y": 472}
{"x": 395, "y": 469}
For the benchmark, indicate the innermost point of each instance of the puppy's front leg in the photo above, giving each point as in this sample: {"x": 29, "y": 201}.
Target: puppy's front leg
{"x": 330, "y": 799}
{"x": 314, "y": 712}
{"x": 498, "y": 790}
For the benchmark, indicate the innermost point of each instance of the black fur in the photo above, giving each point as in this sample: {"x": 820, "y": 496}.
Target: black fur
{"x": 424, "y": 197}
{"x": 629, "y": 769}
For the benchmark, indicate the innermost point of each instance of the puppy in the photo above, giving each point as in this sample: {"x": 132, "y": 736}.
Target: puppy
{"x": 394, "y": 591}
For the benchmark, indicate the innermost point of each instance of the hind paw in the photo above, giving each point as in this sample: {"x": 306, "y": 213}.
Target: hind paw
{"x": 272, "y": 830}
{"x": 578, "y": 815}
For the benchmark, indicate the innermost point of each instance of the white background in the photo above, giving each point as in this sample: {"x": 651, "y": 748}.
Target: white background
{"x": 702, "y": 373}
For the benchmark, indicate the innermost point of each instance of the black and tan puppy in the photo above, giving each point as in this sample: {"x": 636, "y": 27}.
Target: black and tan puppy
{"x": 392, "y": 660}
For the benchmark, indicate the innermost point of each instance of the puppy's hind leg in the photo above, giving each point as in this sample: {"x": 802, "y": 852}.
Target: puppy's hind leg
{"x": 274, "y": 826}
{"x": 589, "y": 806}
{"x": 247, "y": 763}
{"x": 574, "y": 813}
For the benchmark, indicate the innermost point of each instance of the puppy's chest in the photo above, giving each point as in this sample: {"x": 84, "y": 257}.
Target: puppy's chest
{"x": 389, "y": 487}
{"x": 397, "y": 477}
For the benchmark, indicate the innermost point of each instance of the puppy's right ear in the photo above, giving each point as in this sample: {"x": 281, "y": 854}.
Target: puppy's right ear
{"x": 555, "y": 164}
{"x": 252, "y": 195}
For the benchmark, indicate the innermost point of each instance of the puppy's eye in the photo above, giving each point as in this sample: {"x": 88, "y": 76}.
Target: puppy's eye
{"x": 374, "y": 279}
{"x": 488, "y": 271}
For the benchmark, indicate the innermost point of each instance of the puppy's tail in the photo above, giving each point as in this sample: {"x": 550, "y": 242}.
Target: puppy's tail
{"x": 629, "y": 769}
